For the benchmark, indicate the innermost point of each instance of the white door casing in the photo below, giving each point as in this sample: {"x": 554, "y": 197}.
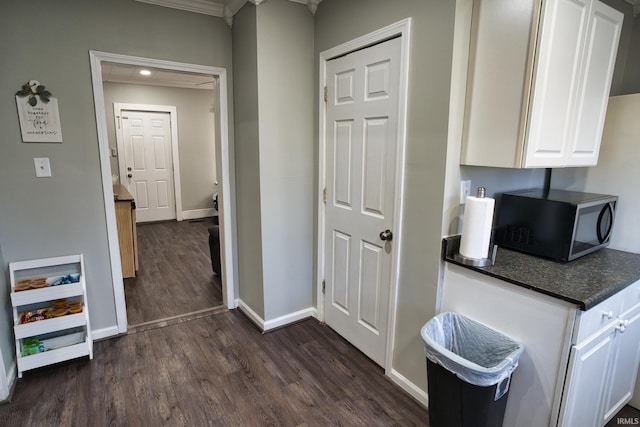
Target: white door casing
{"x": 362, "y": 138}
{"x": 224, "y": 159}
{"x": 148, "y": 163}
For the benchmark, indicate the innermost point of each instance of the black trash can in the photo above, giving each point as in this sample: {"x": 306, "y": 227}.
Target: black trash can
{"x": 469, "y": 367}
{"x": 214, "y": 249}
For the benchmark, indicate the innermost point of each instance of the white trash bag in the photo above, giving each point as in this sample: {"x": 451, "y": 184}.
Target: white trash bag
{"x": 472, "y": 351}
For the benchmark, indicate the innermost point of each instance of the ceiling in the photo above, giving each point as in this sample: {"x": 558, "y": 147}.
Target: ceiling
{"x": 123, "y": 73}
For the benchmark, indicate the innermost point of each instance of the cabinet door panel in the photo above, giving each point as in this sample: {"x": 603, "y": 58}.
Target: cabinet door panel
{"x": 586, "y": 380}
{"x": 600, "y": 57}
{"x": 625, "y": 364}
{"x": 498, "y": 81}
{"x": 558, "y": 63}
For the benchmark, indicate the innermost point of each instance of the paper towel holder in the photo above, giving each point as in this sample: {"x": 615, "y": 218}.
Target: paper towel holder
{"x": 482, "y": 262}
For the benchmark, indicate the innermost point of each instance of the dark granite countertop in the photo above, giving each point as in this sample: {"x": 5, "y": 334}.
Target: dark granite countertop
{"x": 585, "y": 281}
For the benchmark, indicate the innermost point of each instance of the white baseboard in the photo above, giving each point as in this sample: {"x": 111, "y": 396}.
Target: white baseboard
{"x": 8, "y": 380}
{"x": 98, "y": 334}
{"x": 12, "y": 376}
{"x": 290, "y": 318}
{"x": 198, "y": 213}
{"x": 252, "y": 315}
{"x": 278, "y": 322}
{"x": 415, "y": 391}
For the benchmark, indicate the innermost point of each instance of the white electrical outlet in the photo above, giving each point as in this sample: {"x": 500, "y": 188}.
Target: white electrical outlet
{"x": 465, "y": 191}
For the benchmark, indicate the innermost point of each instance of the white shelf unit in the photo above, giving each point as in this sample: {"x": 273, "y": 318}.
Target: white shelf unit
{"x": 68, "y": 335}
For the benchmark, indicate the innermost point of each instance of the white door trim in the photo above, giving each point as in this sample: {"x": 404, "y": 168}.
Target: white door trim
{"x": 402, "y": 29}
{"x": 222, "y": 153}
{"x": 173, "y": 114}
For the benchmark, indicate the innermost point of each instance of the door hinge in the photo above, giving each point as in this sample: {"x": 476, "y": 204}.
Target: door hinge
{"x": 325, "y": 94}
{"x": 324, "y": 286}
{"x": 324, "y": 195}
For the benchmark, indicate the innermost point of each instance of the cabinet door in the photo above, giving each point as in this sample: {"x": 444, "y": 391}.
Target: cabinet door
{"x": 586, "y": 381}
{"x": 558, "y": 62}
{"x": 605, "y": 24}
{"x": 626, "y": 359}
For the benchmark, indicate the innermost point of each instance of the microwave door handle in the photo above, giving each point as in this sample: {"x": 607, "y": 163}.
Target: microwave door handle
{"x": 606, "y": 208}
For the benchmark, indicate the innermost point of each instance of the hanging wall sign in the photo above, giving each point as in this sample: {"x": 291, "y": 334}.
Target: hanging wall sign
{"x": 38, "y": 114}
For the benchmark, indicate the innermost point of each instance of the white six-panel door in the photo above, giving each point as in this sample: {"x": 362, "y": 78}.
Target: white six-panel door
{"x": 149, "y": 164}
{"x": 361, "y": 141}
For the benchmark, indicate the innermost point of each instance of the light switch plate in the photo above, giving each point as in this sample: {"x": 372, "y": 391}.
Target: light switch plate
{"x": 43, "y": 167}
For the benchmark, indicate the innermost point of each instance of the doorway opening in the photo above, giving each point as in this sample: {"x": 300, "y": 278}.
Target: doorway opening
{"x": 226, "y": 198}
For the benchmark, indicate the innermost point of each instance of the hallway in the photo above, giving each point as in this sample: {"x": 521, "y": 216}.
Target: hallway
{"x": 175, "y": 275}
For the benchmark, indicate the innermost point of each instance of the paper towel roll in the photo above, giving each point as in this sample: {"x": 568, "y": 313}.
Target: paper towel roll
{"x": 476, "y": 227}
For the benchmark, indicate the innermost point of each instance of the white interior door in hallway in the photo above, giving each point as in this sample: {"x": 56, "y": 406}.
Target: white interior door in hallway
{"x": 361, "y": 149}
{"x": 149, "y": 164}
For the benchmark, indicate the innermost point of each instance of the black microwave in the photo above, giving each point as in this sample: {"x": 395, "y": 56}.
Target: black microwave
{"x": 555, "y": 224}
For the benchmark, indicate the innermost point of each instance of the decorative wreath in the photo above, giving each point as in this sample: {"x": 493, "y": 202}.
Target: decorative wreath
{"x": 34, "y": 90}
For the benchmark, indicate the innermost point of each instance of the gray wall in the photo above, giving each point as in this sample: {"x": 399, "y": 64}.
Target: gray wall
{"x": 65, "y": 214}
{"x": 196, "y": 134}
{"x": 247, "y": 152}
{"x": 273, "y": 53}
{"x": 632, "y": 66}
{"x": 285, "y": 99}
{"x": 626, "y": 78}
{"x": 338, "y": 21}
{"x": 7, "y": 343}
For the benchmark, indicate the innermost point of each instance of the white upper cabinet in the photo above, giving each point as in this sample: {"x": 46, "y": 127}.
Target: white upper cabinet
{"x": 538, "y": 82}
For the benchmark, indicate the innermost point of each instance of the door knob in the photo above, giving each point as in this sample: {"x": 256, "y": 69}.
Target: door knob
{"x": 386, "y": 235}
{"x": 129, "y": 175}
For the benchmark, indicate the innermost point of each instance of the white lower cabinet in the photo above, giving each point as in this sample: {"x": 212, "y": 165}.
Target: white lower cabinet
{"x": 625, "y": 362}
{"x": 578, "y": 368}
{"x": 587, "y": 381}
{"x": 50, "y": 312}
{"x": 603, "y": 367}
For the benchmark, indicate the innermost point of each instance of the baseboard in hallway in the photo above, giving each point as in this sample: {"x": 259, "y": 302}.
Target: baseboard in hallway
{"x": 174, "y": 320}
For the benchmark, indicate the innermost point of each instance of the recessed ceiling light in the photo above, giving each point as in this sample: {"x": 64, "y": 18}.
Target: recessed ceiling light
{"x": 145, "y": 72}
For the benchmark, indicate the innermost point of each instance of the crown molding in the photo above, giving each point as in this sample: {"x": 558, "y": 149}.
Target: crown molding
{"x": 198, "y": 6}
{"x": 226, "y": 10}
{"x": 311, "y": 4}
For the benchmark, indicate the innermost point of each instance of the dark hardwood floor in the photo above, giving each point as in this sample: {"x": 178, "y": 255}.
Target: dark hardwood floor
{"x": 627, "y": 416}
{"x": 210, "y": 368}
{"x": 175, "y": 275}
{"x": 216, "y": 370}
